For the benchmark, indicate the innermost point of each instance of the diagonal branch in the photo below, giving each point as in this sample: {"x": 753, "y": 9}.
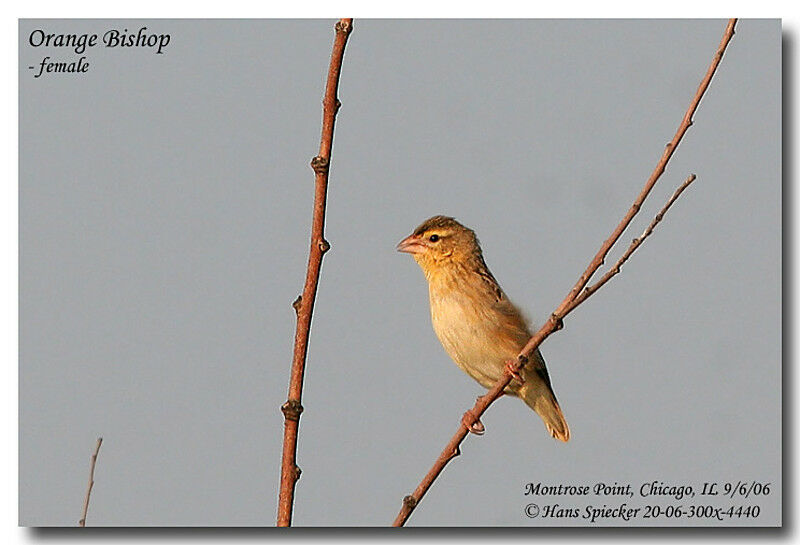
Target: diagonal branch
{"x": 579, "y": 291}
{"x": 82, "y": 522}
{"x": 304, "y": 304}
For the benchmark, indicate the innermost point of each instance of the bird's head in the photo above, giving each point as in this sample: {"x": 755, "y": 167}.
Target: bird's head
{"x": 440, "y": 241}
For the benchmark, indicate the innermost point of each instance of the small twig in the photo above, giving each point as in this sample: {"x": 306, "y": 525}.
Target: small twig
{"x": 635, "y": 243}
{"x": 82, "y": 522}
{"x": 555, "y": 321}
{"x": 304, "y": 305}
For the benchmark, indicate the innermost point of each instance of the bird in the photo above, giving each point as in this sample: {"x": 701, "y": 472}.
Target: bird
{"x": 479, "y": 327}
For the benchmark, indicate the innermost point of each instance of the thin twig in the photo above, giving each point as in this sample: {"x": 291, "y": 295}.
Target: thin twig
{"x": 635, "y": 243}
{"x": 304, "y": 304}
{"x": 555, "y": 321}
{"x": 82, "y": 522}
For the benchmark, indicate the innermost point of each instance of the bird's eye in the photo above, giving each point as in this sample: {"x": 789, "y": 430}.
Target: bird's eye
{"x": 433, "y": 238}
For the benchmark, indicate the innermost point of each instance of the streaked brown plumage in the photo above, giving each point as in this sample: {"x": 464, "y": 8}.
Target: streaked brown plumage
{"x": 477, "y": 325}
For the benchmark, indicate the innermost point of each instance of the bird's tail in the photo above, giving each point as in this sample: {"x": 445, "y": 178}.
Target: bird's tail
{"x": 540, "y": 398}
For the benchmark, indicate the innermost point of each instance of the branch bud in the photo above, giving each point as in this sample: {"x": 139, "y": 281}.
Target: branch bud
{"x": 344, "y": 27}
{"x": 320, "y": 164}
{"x": 292, "y": 410}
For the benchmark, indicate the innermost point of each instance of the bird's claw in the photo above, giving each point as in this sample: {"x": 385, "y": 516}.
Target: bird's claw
{"x": 513, "y": 372}
{"x": 473, "y": 423}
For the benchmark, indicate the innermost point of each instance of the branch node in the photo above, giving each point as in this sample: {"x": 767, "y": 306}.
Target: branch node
{"x": 292, "y": 410}
{"x": 345, "y": 27}
{"x": 558, "y": 322}
{"x": 410, "y": 502}
{"x": 324, "y": 245}
{"x": 297, "y": 473}
{"x": 320, "y": 164}
{"x": 297, "y": 303}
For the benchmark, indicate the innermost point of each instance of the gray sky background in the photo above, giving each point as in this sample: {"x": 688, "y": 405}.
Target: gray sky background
{"x": 165, "y": 207}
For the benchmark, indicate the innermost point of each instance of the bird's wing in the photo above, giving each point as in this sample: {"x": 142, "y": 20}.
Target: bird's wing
{"x": 488, "y": 281}
{"x": 516, "y": 322}
{"x": 511, "y": 322}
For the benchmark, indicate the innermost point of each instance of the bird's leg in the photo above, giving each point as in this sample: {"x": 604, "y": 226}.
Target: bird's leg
{"x": 513, "y": 372}
{"x": 473, "y": 424}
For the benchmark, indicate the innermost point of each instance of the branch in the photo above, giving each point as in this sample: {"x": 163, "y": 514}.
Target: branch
{"x": 579, "y": 292}
{"x": 304, "y": 304}
{"x": 82, "y": 522}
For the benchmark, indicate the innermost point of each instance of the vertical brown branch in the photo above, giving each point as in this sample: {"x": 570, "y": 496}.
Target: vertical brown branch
{"x": 82, "y": 522}
{"x": 304, "y": 305}
{"x": 577, "y": 294}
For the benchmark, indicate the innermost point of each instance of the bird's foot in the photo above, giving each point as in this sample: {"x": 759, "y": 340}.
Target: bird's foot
{"x": 473, "y": 423}
{"x": 513, "y": 372}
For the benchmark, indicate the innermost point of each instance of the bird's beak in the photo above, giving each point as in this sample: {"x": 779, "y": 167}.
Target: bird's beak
{"x": 411, "y": 245}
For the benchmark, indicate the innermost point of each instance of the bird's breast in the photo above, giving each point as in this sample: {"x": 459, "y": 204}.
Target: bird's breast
{"x": 472, "y": 332}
